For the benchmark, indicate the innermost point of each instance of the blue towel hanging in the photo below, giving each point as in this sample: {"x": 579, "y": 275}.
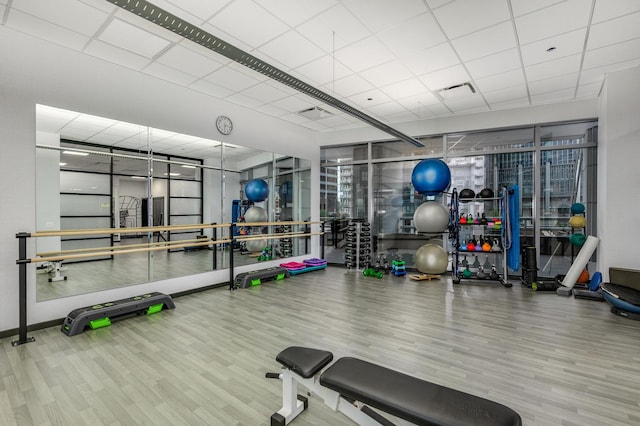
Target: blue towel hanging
{"x": 511, "y": 225}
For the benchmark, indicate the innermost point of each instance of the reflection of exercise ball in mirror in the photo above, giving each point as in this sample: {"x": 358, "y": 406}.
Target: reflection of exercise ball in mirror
{"x": 256, "y": 245}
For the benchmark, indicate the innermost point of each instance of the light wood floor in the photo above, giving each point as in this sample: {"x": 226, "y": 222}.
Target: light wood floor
{"x": 555, "y": 360}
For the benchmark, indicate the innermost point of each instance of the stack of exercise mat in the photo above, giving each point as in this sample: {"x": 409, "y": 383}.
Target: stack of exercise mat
{"x": 306, "y": 265}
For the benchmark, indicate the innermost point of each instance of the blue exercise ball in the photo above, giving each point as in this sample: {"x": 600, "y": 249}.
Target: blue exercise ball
{"x": 431, "y": 176}
{"x": 286, "y": 192}
{"x": 256, "y": 190}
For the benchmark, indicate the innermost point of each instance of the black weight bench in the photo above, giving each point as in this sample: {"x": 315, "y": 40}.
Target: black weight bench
{"x": 352, "y": 386}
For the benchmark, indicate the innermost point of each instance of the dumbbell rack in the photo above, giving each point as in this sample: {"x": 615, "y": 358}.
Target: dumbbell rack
{"x": 286, "y": 245}
{"x": 357, "y": 250}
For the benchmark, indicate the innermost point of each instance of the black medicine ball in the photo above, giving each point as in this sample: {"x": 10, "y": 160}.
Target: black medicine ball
{"x": 466, "y": 193}
{"x": 486, "y": 193}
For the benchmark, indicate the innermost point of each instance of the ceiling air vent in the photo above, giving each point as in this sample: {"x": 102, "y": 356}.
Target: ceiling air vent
{"x": 315, "y": 113}
{"x": 458, "y": 91}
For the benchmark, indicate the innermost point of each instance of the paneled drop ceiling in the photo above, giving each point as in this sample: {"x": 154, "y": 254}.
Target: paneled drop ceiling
{"x": 390, "y": 59}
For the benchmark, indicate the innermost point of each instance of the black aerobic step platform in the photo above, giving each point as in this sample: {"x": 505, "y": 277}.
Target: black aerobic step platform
{"x": 257, "y": 277}
{"x": 101, "y": 315}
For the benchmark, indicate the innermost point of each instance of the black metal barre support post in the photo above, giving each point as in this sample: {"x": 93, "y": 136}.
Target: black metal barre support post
{"x": 231, "y": 244}
{"x": 322, "y": 240}
{"x": 22, "y": 289}
{"x": 215, "y": 247}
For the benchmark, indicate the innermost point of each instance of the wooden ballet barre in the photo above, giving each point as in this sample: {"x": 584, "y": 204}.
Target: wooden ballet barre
{"x": 275, "y": 236}
{"x": 288, "y": 222}
{"x": 167, "y": 244}
{"x": 103, "y": 231}
{"x": 111, "y": 253}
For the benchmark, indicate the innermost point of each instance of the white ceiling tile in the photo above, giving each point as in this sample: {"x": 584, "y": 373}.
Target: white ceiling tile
{"x": 512, "y": 103}
{"x": 322, "y": 71}
{"x": 566, "y": 65}
{"x": 555, "y": 96}
{"x": 146, "y": 26}
{"x": 445, "y": 78}
{"x": 292, "y": 50}
{"x": 133, "y": 39}
{"x": 42, "y": 29}
{"x": 295, "y": 12}
{"x": 416, "y": 34}
{"x": 387, "y": 108}
{"x": 501, "y": 95}
{"x": 212, "y": 89}
{"x": 294, "y": 103}
{"x": 334, "y": 121}
{"x": 615, "y": 30}
{"x": 597, "y": 74}
{"x": 606, "y": 10}
{"x": 232, "y": 78}
{"x": 591, "y": 90}
{"x": 401, "y": 117}
{"x": 247, "y": 21}
{"x": 385, "y": 74}
{"x": 181, "y": 58}
{"x": 295, "y": 118}
{"x": 265, "y": 92}
{"x": 432, "y": 59}
{"x": 612, "y": 54}
{"x": 333, "y": 29}
{"x": 466, "y": 16}
{"x": 369, "y": 98}
{"x": 64, "y": 13}
{"x": 116, "y": 55}
{"x": 197, "y": 10}
{"x": 565, "y": 44}
{"x": 348, "y": 86}
{"x": 434, "y": 4}
{"x": 499, "y": 81}
{"x": 494, "y": 64}
{"x": 567, "y": 81}
{"x": 560, "y": 18}
{"x": 521, "y": 7}
{"x": 104, "y": 139}
{"x": 272, "y": 110}
{"x": 403, "y": 89}
{"x": 485, "y": 42}
{"x": 464, "y": 109}
{"x": 364, "y": 54}
{"x": 466, "y": 103}
{"x": 380, "y": 14}
{"x": 419, "y": 101}
{"x": 170, "y": 74}
{"x": 439, "y": 109}
{"x": 314, "y": 125}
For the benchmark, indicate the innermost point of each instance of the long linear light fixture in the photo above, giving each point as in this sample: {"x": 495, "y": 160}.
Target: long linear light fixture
{"x": 171, "y": 22}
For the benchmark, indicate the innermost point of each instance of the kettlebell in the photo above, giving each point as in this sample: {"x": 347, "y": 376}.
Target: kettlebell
{"x": 481, "y": 274}
{"x": 486, "y": 246}
{"x": 467, "y": 272}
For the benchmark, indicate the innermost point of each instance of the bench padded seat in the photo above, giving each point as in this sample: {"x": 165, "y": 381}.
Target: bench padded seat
{"x": 305, "y": 362}
{"x": 413, "y": 399}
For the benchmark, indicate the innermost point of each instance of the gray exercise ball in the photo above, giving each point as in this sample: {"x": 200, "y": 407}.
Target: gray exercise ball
{"x": 431, "y": 217}
{"x": 255, "y": 214}
{"x": 256, "y": 245}
{"x": 432, "y": 259}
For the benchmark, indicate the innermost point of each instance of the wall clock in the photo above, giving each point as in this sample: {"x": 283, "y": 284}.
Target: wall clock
{"x": 224, "y": 125}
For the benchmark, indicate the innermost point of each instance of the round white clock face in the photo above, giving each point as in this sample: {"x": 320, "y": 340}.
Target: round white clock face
{"x": 224, "y": 125}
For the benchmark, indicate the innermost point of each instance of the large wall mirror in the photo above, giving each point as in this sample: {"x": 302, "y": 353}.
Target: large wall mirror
{"x": 97, "y": 173}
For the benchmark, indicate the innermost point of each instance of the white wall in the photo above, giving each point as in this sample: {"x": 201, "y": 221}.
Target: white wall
{"x": 34, "y": 71}
{"x": 48, "y": 191}
{"x": 618, "y": 171}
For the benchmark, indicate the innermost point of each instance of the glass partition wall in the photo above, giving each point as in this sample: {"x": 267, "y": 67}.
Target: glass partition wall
{"x": 158, "y": 179}
{"x": 553, "y": 165}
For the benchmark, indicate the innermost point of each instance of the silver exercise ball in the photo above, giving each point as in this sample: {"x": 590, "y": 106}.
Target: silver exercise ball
{"x": 431, "y": 217}
{"x": 432, "y": 259}
{"x": 256, "y": 245}
{"x": 255, "y": 214}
